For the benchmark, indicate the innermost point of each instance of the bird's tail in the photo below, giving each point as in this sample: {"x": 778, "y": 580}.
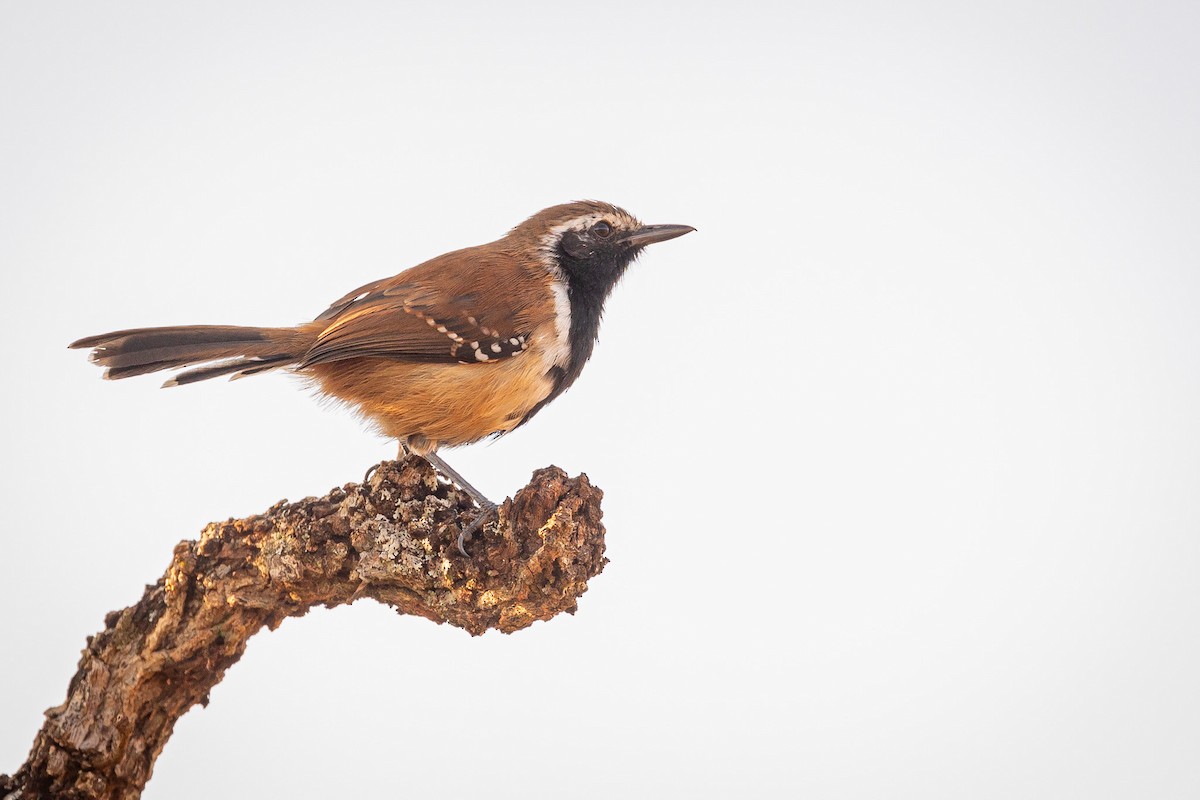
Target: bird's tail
{"x": 220, "y": 349}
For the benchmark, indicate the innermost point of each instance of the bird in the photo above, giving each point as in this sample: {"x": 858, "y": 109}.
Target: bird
{"x": 467, "y": 345}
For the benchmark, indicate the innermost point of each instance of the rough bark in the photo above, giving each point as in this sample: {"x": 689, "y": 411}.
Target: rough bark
{"x": 391, "y": 539}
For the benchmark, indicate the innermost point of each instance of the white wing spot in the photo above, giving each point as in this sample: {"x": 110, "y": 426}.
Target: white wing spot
{"x": 482, "y": 356}
{"x": 496, "y": 348}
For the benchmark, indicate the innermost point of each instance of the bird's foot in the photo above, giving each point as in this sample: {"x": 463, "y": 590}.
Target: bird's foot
{"x": 487, "y": 511}
{"x": 400, "y": 456}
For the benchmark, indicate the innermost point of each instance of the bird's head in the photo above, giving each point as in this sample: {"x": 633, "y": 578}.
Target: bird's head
{"x": 591, "y": 243}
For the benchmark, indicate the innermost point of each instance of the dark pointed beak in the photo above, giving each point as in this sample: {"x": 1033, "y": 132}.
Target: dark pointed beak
{"x": 649, "y": 234}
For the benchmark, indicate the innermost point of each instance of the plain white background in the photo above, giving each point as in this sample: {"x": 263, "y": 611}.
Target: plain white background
{"x": 900, "y": 450}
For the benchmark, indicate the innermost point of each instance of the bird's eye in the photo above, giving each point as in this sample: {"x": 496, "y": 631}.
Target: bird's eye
{"x": 602, "y": 229}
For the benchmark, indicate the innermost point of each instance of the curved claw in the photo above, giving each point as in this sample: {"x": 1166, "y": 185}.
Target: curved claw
{"x": 488, "y": 508}
{"x": 367, "y": 478}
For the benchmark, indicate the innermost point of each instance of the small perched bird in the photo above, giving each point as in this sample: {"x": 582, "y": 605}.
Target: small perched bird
{"x": 466, "y": 345}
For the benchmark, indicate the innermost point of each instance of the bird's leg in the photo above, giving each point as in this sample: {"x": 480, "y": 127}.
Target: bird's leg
{"x": 487, "y": 507}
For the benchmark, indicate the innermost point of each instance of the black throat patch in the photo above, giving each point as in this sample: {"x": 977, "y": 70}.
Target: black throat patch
{"x": 589, "y": 283}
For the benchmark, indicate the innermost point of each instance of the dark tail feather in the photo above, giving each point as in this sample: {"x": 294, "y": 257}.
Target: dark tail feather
{"x": 135, "y": 339}
{"x": 116, "y": 373}
{"x": 241, "y": 366}
{"x": 138, "y": 351}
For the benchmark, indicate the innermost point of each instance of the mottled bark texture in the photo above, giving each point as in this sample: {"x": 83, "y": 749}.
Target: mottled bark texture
{"x": 391, "y": 539}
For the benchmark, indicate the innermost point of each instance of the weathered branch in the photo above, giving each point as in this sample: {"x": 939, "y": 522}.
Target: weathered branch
{"x": 391, "y": 539}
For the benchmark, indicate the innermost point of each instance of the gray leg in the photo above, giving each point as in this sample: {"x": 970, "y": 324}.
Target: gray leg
{"x": 487, "y": 506}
